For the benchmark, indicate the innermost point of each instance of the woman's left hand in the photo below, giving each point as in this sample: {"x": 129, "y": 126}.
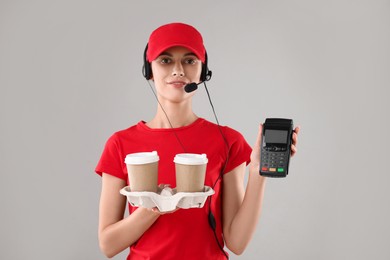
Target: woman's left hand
{"x": 255, "y": 155}
{"x": 294, "y": 141}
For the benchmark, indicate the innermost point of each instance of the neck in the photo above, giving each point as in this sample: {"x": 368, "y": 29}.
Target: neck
{"x": 179, "y": 114}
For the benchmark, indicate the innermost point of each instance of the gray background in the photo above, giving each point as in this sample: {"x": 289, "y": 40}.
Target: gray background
{"x": 70, "y": 75}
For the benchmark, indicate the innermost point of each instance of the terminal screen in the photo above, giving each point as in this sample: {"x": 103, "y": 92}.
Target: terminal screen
{"x": 276, "y": 136}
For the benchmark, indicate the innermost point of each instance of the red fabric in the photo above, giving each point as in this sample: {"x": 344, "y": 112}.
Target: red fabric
{"x": 186, "y": 233}
{"x": 175, "y": 34}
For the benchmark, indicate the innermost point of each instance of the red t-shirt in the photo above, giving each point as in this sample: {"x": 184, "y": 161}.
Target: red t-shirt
{"x": 186, "y": 233}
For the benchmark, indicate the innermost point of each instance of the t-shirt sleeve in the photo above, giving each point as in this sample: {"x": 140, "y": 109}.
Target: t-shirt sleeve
{"x": 111, "y": 160}
{"x": 240, "y": 150}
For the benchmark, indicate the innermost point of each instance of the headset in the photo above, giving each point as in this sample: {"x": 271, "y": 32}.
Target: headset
{"x": 205, "y": 74}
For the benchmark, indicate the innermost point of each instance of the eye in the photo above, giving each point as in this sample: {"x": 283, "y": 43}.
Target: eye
{"x": 165, "y": 60}
{"x": 191, "y": 60}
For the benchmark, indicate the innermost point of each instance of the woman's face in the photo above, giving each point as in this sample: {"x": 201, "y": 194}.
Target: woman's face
{"x": 172, "y": 70}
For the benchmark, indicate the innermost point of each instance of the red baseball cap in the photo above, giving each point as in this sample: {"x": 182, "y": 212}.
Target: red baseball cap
{"x": 175, "y": 34}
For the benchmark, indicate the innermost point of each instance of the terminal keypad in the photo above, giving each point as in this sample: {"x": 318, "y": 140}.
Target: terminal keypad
{"x": 274, "y": 160}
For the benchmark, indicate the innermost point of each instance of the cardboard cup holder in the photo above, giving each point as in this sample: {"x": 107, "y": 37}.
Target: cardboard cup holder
{"x": 166, "y": 198}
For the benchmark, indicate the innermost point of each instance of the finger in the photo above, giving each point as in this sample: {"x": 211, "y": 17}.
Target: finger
{"x": 293, "y": 150}
{"x": 294, "y": 138}
{"x": 258, "y": 139}
{"x": 155, "y": 209}
{"x": 255, "y": 155}
{"x": 256, "y": 147}
{"x": 297, "y": 129}
{"x": 295, "y": 135}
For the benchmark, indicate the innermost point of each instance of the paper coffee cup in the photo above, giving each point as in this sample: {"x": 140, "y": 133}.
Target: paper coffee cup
{"x": 190, "y": 172}
{"x": 142, "y": 169}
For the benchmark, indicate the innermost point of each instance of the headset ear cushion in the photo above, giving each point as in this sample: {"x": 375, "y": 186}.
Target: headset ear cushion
{"x": 147, "y": 70}
{"x": 206, "y": 74}
{"x": 203, "y": 73}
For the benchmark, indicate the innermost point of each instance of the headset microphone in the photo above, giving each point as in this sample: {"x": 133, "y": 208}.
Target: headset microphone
{"x": 191, "y": 87}
{"x": 206, "y": 76}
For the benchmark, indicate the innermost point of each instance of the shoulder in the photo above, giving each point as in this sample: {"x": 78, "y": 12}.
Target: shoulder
{"x": 123, "y": 134}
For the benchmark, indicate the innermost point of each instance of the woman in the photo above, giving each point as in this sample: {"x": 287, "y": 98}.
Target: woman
{"x": 175, "y": 56}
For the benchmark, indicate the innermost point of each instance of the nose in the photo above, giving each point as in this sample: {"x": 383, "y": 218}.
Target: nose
{"x": 178, "y": 70}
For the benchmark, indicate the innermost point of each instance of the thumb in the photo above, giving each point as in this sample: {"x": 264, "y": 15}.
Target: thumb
{"x": 255, "y": 155}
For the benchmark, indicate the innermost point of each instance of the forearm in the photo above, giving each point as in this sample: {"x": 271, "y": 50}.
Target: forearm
{"x": 244, "y": 223}
{"x": 116, "y": 237}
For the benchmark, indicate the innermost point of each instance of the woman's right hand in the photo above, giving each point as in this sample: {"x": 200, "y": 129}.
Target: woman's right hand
{"x": 156, "y": 210}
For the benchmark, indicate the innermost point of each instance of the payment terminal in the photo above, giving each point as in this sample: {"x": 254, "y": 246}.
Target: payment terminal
{"x": 276, "y": 147}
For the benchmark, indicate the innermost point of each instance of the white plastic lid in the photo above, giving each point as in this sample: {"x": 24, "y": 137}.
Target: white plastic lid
{"x": 142, "y": 158}
{"x": 191, "y": 158}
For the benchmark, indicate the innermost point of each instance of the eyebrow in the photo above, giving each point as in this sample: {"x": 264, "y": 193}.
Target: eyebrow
{"x": 170, "y": 55}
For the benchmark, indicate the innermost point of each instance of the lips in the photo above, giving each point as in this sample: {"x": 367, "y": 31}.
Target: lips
{"x": 177, "y": 83}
